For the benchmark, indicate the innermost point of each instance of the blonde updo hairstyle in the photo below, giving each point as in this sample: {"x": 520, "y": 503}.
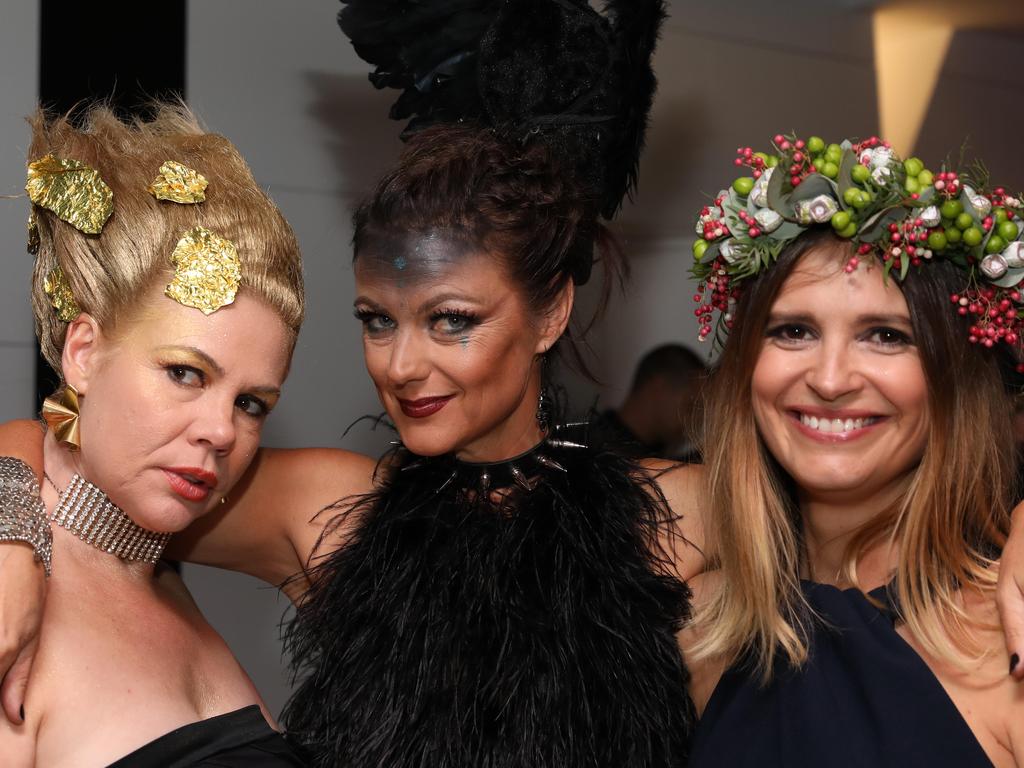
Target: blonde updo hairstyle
{"x": 110, "y": 273}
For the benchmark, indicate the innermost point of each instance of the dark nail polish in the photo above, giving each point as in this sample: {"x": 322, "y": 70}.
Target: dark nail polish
{"x": 22, "y": 713}
{"x": 1014, "y": 660}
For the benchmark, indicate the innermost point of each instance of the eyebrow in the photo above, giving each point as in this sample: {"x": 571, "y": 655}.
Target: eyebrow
{"x": 432, "y": 301}
{"x": 214, "y": 366}
{"x": 803, "y": 317}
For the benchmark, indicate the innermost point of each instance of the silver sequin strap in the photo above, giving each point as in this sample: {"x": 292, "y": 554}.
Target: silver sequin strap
{"x": 22, "y": 514}
{"x": 85, "y": 511}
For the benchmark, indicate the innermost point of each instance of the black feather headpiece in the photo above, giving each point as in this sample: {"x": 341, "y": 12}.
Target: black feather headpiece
{"x": 553, "y": 70}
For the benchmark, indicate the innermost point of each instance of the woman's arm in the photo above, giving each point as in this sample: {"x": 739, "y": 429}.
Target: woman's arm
{"x": 22, "y": 582}
{"x": 682, "y": 485}
{"x": 269, "y": 525}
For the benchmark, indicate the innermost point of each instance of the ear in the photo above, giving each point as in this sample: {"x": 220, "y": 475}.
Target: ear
{"x": 557, "y": 318}
{"x": 81, "y": 356}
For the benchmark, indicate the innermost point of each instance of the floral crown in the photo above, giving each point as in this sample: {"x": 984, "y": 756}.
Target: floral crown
{"x": 899, "y": 211}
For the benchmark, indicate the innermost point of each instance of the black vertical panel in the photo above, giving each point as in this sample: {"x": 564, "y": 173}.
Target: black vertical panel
{"x": 124, "y": 51}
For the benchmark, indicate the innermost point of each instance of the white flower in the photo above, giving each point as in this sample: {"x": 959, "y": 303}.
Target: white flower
{"x": 729, "y": 251}
{"x": 1012, "y": 202}
{"x": 994, "y": 266}
{"x": 759, "y": 194}
{"x": 881, "y": 175}
{"x": 979, "y": 203}
{"x": 767, "y": 219}
{"x": 1013, "y": 254}
{"x": 818, "y": 210}
{"x": 930, "y": 216}
{"x": 879, "y": 157}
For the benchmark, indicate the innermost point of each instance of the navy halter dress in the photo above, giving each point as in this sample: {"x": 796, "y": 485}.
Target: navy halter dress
{"x": 864, "y": 698}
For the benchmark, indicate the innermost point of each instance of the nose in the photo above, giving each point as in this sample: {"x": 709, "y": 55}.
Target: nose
{"x": 408, "y": 360}
{"x": 832, "y": 371}
{"x": 214, "y": 426}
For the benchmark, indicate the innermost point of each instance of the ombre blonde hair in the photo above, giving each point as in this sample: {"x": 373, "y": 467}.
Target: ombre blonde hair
{"x": 947, "y": 530}
{"x": 110, "y": 273}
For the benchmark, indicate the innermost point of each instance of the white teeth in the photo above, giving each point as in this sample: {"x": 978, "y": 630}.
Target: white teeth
{"x": 835, "y": 426}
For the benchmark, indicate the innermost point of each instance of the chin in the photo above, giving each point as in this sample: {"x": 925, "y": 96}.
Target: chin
{"x": 425, "y": 442}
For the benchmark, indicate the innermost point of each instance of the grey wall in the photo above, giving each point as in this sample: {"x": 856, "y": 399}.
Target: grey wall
{"x": 18, "y": 86}
{"x": 278, "y": 78}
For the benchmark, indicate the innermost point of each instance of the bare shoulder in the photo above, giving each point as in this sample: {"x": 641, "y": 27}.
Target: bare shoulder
{"x": 683, "y": 488}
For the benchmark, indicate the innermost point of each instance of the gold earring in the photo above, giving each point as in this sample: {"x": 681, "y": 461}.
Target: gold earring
{"x": 60, "y": 412}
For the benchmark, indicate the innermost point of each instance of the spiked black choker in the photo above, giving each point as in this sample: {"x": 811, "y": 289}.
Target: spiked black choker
{"x": 520, "y": 471}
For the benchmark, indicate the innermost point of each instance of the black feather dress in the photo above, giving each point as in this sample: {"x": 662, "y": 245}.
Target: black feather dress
{"x": 454, "y": 631}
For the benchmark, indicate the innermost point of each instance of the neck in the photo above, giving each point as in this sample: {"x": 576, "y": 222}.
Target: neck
{"x": 831, "y": 523}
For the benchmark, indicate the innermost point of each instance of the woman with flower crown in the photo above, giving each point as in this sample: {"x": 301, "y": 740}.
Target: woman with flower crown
{"x": 861, "y": 501}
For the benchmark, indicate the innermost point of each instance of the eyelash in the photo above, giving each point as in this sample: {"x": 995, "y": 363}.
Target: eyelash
{"x": 900, "y": 338}
{"x": 367, "y": 318}
{"x": 176, "y": 372}
{"x": 469, "y": 319}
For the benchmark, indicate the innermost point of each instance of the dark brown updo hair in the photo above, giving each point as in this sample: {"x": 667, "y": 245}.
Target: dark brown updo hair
{"x": 517, "y": 202}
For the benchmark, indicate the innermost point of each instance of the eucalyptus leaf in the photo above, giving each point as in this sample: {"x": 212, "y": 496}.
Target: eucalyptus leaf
{"x": 777, "y": 201}
{"x": 904, "y": 268}
{"x": 812, "y": 186}
{"x": 845, "y": 180}
{"x": 786, "y": 231}
{"x": 1011, "y": 279}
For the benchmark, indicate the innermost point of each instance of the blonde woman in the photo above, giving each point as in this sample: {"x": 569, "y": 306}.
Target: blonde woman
{"x": 167, "y": 379}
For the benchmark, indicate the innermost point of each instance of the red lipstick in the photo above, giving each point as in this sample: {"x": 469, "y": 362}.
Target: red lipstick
{"x": 425, "y": 406}
{"x": 191, "y": 483}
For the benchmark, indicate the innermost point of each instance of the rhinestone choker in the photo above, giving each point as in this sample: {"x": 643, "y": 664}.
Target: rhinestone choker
{"x": 85, "y": 511}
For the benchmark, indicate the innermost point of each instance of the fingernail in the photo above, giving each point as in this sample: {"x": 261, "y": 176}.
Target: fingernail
{"x": 21, "y": 712}
{"x": 1014, "y": 660}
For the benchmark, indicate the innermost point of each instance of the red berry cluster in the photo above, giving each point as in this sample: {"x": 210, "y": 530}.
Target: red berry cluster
{"x": 870, "y": 143}
{"x": 800, "y": 166}
{"x": 717, "y": 285}
{"x": 714, "y": 226}
{"x": 947, "y": 183}
{"x": 908, "y": 239}
{"x": 746, "y": 156}
{"x": 994, "y": 314}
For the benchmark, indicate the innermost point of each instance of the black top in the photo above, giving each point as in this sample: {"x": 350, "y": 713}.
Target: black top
{"x": 864, "y": 698}
{"x": 240, "y": 739}
{"x": 452, "y": 630}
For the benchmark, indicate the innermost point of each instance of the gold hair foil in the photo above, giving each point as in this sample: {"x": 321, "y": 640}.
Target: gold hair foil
{"x": 179, "y": 184}
{"x": 72, "y": 190}
{"x": 33, "y": 233}
{"x": 206, "y": 271}
{"x": 58, "y": 290}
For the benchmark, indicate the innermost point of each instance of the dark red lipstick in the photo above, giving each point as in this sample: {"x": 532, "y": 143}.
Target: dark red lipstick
{"x": 425, "y": 406}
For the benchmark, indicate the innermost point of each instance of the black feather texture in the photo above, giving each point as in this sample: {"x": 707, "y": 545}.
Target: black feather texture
{"x": 549, "y": 70}
{"x": 447, "y": 633}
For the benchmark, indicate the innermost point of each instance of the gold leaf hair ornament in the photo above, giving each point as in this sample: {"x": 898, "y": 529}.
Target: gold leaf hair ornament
{"x": 60, "y": 412}
{"x": 72, "y": 190}
{"x": 207, "y": 271}
{"x": 61, "y": 297}
{"x": 33, "y": 232}
{"x": 179, "y": 184}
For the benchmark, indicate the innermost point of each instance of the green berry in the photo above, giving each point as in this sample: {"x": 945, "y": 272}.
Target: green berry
{"x": 699, "y": 248}
{"x": 995, "y": 244}
{"x": 830, "y": 169}
{"x": 973, "y": 236}
{"x": 937, "y": 241}
{"x": 743, "y": 185}
{"x": 911, "y": 185}
{"x": 850, "y": 230}
{"x": 818, "y": 163}
{"x": 860, "y": 173}
{"x": 773, "y": 160}
{"x": 925, "y": 178}
{"x": 951, "y": 209}
{"x": 840, "y": 220}
{"x": 964, "y": 221}
{"x": 851, "y": 194}
{"x": 834, "y": 153}
{"x": 862, "y": 199}
{"x": 815, "y": 145}
{"x": 913, "y": 167}
{"x": 1007, "y": 230}
{"x": 953, "y": 235}
{"x": 1000, "y": 214}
